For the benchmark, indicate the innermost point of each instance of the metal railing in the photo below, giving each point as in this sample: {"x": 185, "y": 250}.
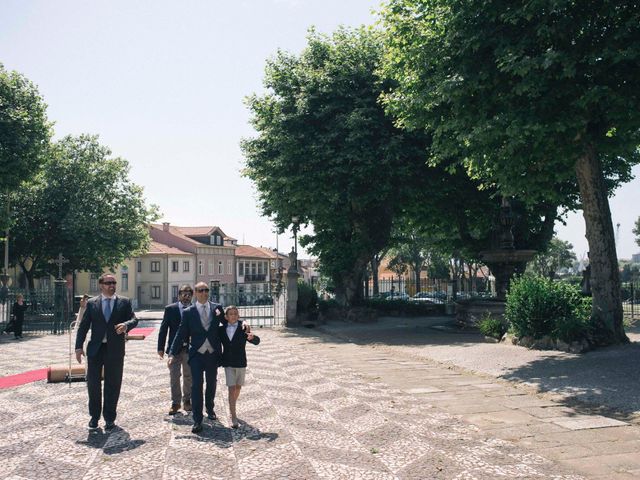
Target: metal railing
{"x": 40, "y": 314}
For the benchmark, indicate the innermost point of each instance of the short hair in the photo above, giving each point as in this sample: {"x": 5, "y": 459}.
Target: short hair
{"x": 231, "y": 307}
{"x": 203, "y": 284}
{"x": 105, "y": 275}
{"x": 19, "y": 295}
{"x": 184, "y": 288}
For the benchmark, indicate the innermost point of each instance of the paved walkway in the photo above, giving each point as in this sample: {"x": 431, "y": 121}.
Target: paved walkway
{"x": 314, "y": 407}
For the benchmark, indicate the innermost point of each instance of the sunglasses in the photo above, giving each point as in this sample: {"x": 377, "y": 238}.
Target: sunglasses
{"x": 109, "y": 283}
{"x": 186, "y": 292}
{"x": 202, "y": 289}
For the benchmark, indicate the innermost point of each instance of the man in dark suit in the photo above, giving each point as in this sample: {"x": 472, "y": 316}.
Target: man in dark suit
{"x": 180, "y": 367}
{"x": 109, "y": 316}
{"x": 200, "y": 326}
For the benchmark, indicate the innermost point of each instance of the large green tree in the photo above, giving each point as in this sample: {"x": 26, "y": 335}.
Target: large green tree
{"x": 82, "y": 204}
{"x": 325, "y": 151}
{"x": 636, "y": 231}
{"x": 527, "y": 95}
{"x": 558, "y": 254}
{"x": 24, "y": 134}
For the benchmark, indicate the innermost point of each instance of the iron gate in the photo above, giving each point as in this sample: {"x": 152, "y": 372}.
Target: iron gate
{"x": 259, "y": 304}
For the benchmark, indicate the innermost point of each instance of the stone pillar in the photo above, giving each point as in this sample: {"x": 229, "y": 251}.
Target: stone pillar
{"x": 60, "y": 300}
{"x": 292, "y": 291}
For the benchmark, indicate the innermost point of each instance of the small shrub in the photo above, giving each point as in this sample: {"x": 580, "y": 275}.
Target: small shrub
{"x": 325, "y": 305}
{"x": 537, "y": 306}
{"x": 492, "y": 327}
{"x": 307, "y": 298}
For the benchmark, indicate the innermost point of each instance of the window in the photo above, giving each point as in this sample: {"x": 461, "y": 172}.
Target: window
{"x": 139, "y": 266}
{"x": 253, "y": 268}
{"x": 155, "y": 292}
{"x": 260, "y": 268}
{"x": 220, "y": 267}
{"x": 125, "y": 282}
{"x": 174, "y": 292}
{"x": 241, "y": 269}
{"x": 174, "y": 266}
{"x": 155, "y": 266}
{"x": 229, "y": 267}
{"x": 211, "y": 270}
{"x": 185, "y": 266}
{"x": 93, "y": 282}
{"x": 200, "y": 267}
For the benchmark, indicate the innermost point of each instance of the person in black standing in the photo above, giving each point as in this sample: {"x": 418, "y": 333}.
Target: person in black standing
{"x": 109, "y": 316}
{"x": 17, "y": 314}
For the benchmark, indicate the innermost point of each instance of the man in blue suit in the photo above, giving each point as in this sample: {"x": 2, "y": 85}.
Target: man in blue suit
{"x": 109, "y": 316}
{"x": 180, "y": 366}
{"x": 200, "y": 325}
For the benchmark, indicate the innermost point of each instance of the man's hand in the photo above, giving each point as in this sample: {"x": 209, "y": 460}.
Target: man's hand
{"x": 121, "y": 328}
{"x": 250, "y": 336}
{"x": 170, "y": 361}
{"x": 246, "y": 328}
{"x": 160, "y": 353}
{"x": 79, "y": 354}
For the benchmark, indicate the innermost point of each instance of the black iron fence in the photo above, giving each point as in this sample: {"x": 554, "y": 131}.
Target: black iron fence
{"x": 261, "y": 304}
{"x": 630, "y": 294}
{"x": 436, "y": 291}
{"x": 40, "y": 316}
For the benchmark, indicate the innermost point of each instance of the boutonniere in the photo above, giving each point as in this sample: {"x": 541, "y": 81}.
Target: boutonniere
{"x": 218, "y": 312}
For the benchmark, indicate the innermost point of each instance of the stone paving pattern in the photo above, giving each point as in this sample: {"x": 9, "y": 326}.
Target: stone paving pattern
{"x": 306, "y": 413}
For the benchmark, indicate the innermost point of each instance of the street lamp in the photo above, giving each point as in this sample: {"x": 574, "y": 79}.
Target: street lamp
{"x": 296, "y": 225}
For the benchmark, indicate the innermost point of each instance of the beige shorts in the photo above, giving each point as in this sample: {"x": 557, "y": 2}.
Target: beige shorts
{"x": 234, "y": 376}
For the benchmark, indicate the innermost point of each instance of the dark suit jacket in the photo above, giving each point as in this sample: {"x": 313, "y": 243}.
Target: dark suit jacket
{"x": 233, "y": 353}
{"x": 93, "y": 318}
{"x": 191, "y": 329}
{"x": 170, "y": 322}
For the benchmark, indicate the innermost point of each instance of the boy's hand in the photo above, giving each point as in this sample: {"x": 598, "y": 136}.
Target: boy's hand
{"x": 250, "y": 336}
{"x": 246, "y": 328}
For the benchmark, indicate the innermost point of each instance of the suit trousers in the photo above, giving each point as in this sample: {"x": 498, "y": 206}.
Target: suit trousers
{"x": 113, "y": 366}
{"x": 203, "y": 365}
{"x": 180, "y": 368}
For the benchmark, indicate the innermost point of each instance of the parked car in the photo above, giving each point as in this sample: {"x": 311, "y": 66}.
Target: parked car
{"x": 428, "y": 297}
{"x": 397, "y": 296}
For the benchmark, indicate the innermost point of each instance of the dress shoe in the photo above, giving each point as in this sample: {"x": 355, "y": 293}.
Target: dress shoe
{"x": 197, "y": 428}
{"x": 110, "y": 425}
{"x": 174, "y": 409}
{"x": 211, "y": 415}
{"x": 93, "y": 424}
{"x": 187, "y": 406}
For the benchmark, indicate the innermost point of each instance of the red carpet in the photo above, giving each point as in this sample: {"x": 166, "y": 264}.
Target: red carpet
{"x": 142, "y": 331}
{"x": 22, "y": 378}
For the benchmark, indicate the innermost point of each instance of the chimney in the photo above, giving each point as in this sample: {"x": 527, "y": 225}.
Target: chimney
{"x": 165, "y": 226}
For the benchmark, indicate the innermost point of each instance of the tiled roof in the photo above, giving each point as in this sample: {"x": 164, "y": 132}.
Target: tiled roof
{"x": 160, "y": 248}
{"x": 254, "y": 252}
{"x": 196, "y": 231}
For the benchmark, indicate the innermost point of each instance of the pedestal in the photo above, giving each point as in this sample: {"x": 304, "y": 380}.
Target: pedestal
{"x": 292, "y": 298}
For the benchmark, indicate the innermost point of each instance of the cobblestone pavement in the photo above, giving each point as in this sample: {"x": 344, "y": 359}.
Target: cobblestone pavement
{"x": 304, "y": 415}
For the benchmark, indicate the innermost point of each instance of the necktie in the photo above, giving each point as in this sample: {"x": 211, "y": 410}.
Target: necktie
{"x": 205, "y": 317}
{"x": 107, "y": 309}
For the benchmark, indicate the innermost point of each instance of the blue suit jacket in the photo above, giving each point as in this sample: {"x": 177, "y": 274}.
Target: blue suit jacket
{"x": 170, "y": 323}
{"x": 191, "y": 328}
{"x": 94, "y": 318}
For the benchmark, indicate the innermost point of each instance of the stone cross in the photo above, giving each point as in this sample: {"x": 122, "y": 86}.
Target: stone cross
{"x": 60, "y": 261}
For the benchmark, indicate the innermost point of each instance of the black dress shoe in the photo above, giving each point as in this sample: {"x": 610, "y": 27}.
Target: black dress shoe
{"x": 110, "y": 425}
{"x": 93, "y": 424}
{"x": 197, "y": 428}
{"x": 211, "y": 415}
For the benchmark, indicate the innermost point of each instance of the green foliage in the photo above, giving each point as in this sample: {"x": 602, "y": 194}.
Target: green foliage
{"x": 559, "y": 254}
{"x": 492, "y": 327}
{"x": 537, "y": 306}
{"x": 636, "y": 231}
{"x": 83, "y": 205}
{"x": 24, "y": 130}
{"x": 539, "y": 99}
{"x": 325, "y": 305}
{"x": 307, "y": 297}
{"x": 326, "y": 151}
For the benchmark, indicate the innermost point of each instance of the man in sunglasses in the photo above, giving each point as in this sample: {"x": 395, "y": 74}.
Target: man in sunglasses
{"x": 200, "y": 326}
{"x": 109, "y": 316}
{"x": 180, "y": 367}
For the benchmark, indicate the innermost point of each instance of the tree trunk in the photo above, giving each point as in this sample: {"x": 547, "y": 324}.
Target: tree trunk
{"x": 606, "y": 314}
{"x": 28, "y": 275}
{"x": 416, "y": 272}
{"x": 349, "y": 285}
{"x": 374, "y": 275}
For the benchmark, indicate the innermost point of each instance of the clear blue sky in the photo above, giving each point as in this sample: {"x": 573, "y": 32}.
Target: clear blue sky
{"x": 162, "y": 82}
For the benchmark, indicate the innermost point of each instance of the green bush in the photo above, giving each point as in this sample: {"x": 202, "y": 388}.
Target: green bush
{"x": 492, "y": 327}
{"x": 325, "y": 305}
{"x": 537, "y": 306}
{"x": 307, "y": 298}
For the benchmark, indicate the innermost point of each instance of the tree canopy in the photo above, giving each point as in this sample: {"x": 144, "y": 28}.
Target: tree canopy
{"x": 558, "y": 254}
{"x": 24, "y": 129}
{"x": 539, "y": 99}
{"x": 326, "y": 151}
{"x": 83, "y": 205}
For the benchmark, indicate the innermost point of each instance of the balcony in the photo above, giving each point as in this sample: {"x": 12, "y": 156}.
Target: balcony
{"x": 260, "y": 277}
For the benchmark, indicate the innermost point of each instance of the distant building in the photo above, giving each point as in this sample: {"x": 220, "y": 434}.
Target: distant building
{"x": 635, "y": 258}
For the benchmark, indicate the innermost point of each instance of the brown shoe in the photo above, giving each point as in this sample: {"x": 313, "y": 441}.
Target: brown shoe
{"x": 187, "y": 406}
{"x": 174, "y": 408}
